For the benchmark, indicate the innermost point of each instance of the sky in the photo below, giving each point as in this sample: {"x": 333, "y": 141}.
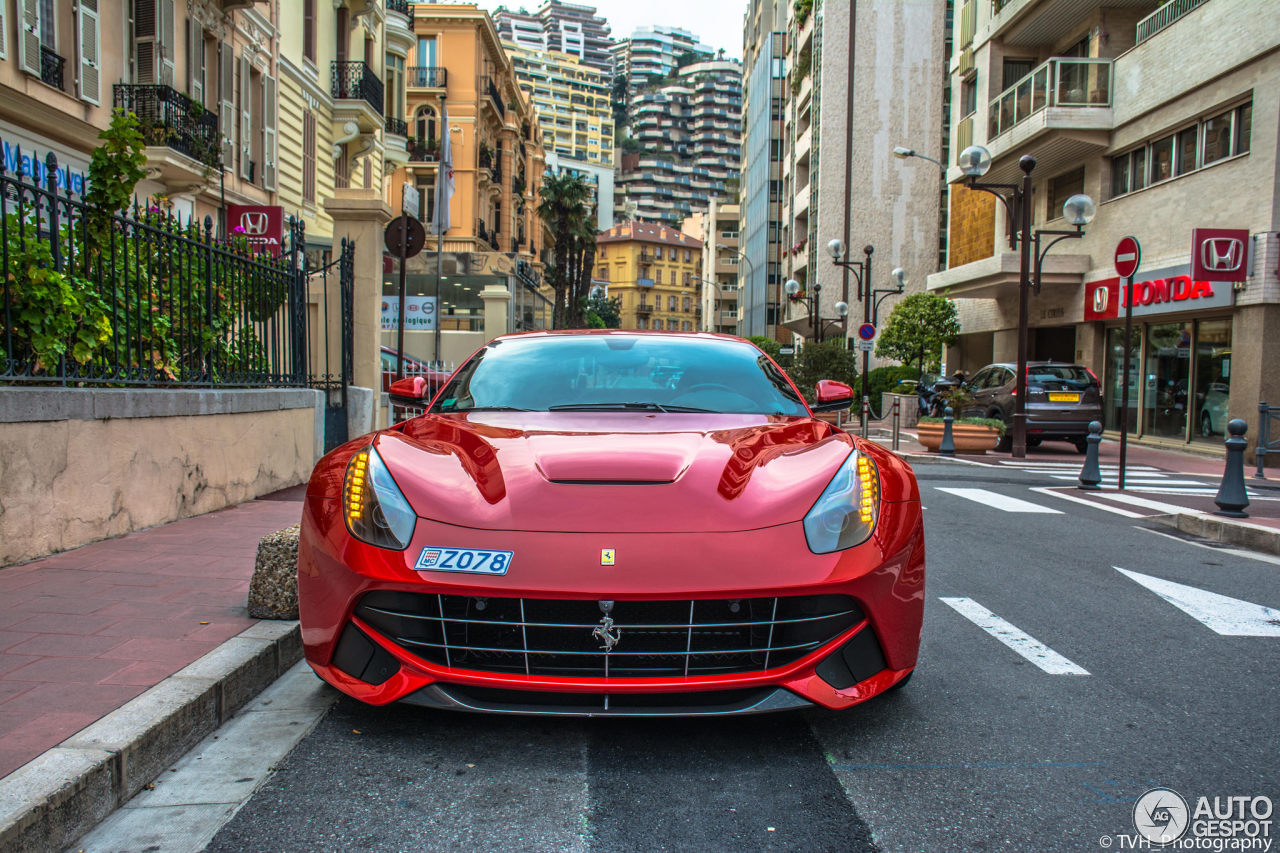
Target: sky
{"x": 717, "y": 22}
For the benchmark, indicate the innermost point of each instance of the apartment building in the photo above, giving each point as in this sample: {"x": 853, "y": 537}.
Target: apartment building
{"x": 570, "y": 28}
{"x": 718, "y": 232}
{"x": 653, "y": 53}
{"x": 201, "y": 77}
{"x": 571, "y": 100}
{"x": 828, "y": 97}
{"x": 688, "y": 133}
{"x": 1167, "y": 116}
{"x": 655, "y": 270}
{"x": 458, "y": 65}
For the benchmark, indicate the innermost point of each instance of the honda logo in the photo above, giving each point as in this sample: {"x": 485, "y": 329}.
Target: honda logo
{"x": 1221, "y": 254}
{"x": 254, "y": 223}
{"x": 1100, "y": 299}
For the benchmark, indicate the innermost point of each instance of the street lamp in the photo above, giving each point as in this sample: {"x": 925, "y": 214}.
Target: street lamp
{"x": 813, "y": 304}
{"x": 902, "y": 153}
{"x": 866, "y": 295}
{"x": 974, "y": 162}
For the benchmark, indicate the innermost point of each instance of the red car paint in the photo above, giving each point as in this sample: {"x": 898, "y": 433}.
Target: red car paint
{"x": 694, "y": 505}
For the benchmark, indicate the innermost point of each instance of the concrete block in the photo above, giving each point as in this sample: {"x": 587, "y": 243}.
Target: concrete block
{"x": 56, "y": 798}
{"x": 359, "y": 411}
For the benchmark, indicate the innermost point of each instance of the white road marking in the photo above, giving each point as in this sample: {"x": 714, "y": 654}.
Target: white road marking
{"x": 1135, "y": 481}
{"x": 1103, "y": 465}
{"x": 1020, "y": 641}
{"x": 1229, "y": 617}
{"x": 1145, "y": 503}
{"x": 998, "y": 501}
{"x": 1053, "y": 490}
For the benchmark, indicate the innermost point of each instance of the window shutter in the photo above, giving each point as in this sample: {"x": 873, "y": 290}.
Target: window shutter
{"x": 29, "y": 36}
{"x": 167, "y": 41}
{"x": 144, "y": 41}
{"x": 89, "y": 73}
{"x": 268, "y": 132}
{"x": 226, "y": 104}
{"x": 195, "y": 60}
{"x": 246, "y": 117}
{"x": 4, "y": 33}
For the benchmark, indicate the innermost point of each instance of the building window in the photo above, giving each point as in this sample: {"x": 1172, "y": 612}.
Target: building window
{"x": 1062, "y": 188}
{"x": 309, "y": 157}
{"x": 687, "y": 326}
{"x": 604, "y": 251}
{"x": 603, "y": 273}
{"x": 968, "y": 98}
{"x": 395, "y": 85}
{"x": 1209, "y": 141}
{"x": 424, "y": 124}
{"x": 687, "y": 257}
{"x": 671, "y": 304}
{"x": 687, "y": 305}
{"x": 673, "y": 325}
{"x": 309, "y": 29}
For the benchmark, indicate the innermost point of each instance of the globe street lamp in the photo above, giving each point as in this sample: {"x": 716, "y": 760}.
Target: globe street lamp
{"x": 813, "y": 304}
{"x": 974, "y": 162}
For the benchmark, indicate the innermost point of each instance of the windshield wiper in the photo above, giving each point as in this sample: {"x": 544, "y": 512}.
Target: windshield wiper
{"x": 622, "y": 407}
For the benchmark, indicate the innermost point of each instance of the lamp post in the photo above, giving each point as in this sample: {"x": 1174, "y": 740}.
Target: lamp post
{"x": 813, "y": 304}
{"x": 974, "y": 162}
{"x": 867, "y": 296}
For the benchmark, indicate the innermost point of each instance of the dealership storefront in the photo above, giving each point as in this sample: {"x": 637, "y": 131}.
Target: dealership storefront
{"x": 1180, "y": 352}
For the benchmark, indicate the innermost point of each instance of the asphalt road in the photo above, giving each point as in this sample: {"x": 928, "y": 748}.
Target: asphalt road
{"x": 984, "y": 750}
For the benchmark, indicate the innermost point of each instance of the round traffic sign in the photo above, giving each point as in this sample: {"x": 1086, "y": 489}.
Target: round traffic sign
{"x": 1128, "y": 256}
{"x": 867, "y": 332}
{"x": 414, "y": 232}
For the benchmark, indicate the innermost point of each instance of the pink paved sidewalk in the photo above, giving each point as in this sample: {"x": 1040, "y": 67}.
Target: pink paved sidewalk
{"x": 85, "y": 631}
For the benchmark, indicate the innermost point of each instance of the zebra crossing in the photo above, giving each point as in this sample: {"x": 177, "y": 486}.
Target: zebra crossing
{"x": 1140, "y": 478}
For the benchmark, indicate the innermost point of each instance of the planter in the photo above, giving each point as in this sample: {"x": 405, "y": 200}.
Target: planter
{"x": 968, "y": 438}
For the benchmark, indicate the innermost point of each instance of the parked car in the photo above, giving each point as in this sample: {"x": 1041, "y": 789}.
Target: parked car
{"x": 412, "y": 367}
{"x": 1061, "y": 401}
{"x": 567, "y": 531}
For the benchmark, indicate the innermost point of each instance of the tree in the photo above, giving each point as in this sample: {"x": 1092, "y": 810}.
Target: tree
{"x": 563, "y": 207}
{"x": 601, "y": 312}
{"x": 620, "y": 100}
{"x": 827, "y": 360}
{"x": 918, "y": 328}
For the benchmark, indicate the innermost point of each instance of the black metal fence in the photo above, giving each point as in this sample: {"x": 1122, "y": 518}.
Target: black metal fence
{"x": 1268, "y": 438}
{"x": 168, "y": 117}
{"x": 140, "y": 297}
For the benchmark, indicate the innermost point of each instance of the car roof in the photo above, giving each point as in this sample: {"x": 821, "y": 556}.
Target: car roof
{"x": 557, "y": 333}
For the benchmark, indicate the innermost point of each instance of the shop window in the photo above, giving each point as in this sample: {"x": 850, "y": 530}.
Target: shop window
{"x": 1113, "y": 389}
{"x": 1213, "y": 377}
{"x": 1166, "y": 379}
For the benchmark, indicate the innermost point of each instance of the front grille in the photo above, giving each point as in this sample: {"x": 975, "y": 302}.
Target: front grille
{"x": 656, "y": 639}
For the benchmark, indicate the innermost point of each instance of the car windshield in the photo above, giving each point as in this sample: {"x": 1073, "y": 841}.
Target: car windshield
{"x": 616, "y": 372}
{"x": 1059, "y": 376}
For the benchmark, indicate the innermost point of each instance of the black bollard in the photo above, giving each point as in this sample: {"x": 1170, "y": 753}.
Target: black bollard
{"x": 948, "y": 446}
{"x": 1232, "y": 498}
{"x": 1091, "y": 474}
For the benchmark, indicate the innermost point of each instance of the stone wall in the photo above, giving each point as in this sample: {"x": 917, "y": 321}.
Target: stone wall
{"x": 77, "y": 466}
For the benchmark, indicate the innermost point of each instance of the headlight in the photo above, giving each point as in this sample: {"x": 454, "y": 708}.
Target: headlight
{"x": 846, "y": 513}
{"x": 372, "y": 505}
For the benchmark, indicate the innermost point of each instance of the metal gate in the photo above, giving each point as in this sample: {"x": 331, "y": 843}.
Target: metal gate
{"x": 325, "y": 309}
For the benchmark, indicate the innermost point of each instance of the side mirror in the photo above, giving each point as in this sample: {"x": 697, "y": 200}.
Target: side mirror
{"x": 833, "y": 396}
{"x": 410, "y": 391}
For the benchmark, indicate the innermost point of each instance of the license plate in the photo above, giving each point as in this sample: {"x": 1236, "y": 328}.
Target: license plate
{"x": 474, "y": 560}
{"x": 1064, "y": 398}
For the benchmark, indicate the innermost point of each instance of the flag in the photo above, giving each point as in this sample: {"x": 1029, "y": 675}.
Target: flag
{"x": 444, "y": 180}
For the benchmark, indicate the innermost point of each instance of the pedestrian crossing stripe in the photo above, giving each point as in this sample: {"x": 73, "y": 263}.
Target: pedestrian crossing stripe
{"x": 1013, "y": 637}
{"x": 996, "y": 500}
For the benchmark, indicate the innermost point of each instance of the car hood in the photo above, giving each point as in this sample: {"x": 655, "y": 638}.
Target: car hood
{"x": 618, "y": 472}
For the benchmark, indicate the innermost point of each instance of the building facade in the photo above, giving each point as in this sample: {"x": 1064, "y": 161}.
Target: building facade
{"x": 1167, "y": 116}
{"x": 653, "y": 53}
{"x": 828, "y": 98}
{"x": 202, "y": 77}
{"x": 570, "y": 28}
{"x": 721, "y": 266}
{"x": 689, "y": 136}
{"x": 571, "y": 100}
{"x": 495, "y": 238}
{"x": 598, "y": 176}
{"x": 654, "y": 270}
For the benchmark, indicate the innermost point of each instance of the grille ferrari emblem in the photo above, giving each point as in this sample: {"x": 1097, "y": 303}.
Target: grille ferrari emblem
{"x": 606, "y": 556}
{"x": 605, "y": 632}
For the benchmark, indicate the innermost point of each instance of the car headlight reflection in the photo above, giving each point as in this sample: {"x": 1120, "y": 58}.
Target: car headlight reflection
{"x": 372, "y": 506}
{"x": 846, "y": 513}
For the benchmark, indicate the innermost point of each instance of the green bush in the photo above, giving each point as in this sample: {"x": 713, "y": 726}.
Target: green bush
{"x": 886, "y": 380}
{"x": 817, "y": 361}
{"x": 989, "y": 422}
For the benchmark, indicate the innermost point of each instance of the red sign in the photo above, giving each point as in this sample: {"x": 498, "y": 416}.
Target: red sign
{"x": 1220, "y": 254}
{"x": 261, "y": 224}
{"x": 1128, "y": 256}
{"x": 1167, "y": 290}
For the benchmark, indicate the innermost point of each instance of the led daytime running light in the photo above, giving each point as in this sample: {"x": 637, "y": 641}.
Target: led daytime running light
{"x": 372, "y": 506}
{"x": 846, "y": 513}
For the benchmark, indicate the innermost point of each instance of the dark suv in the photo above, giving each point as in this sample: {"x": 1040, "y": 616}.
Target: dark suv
{"x": 1061, "y": 400}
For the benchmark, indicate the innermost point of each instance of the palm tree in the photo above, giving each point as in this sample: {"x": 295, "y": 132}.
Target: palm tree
{"x": 563, "y": 207}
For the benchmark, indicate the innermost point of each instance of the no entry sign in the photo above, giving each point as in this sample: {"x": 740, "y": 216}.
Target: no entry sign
{"x": 1128, "y": 257}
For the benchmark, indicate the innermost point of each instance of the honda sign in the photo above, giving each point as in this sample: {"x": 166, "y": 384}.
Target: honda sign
{"x": 261, "y": 225}
{"x": 1220, "y": 254}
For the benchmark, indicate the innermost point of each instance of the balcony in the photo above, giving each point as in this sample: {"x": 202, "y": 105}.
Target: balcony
{"x": 495, "y": 97}
{"x": 427, "y": 77}
{"x": 399, "y": 24}
{"x": 170, "y": 120}
{"x": 424, "y": 150}
{"x": 51, "y": 69}
{"x": 644, "y": 309}
{"x": 396, "y": 126}
{"x": 1060, "y": 82}
{"x": 395, "y": 141}
{"x": 355, "y": 81}
{"x": 1164, "y": 17}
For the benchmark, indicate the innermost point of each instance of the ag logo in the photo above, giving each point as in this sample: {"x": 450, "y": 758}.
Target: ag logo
{"x": 606, "y": 556}
{"x": 1161, "y": 816}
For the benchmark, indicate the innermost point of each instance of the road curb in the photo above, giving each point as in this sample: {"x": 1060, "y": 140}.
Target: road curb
{"x": 51, "y": 801}
{"x": 1240, "y": 534}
